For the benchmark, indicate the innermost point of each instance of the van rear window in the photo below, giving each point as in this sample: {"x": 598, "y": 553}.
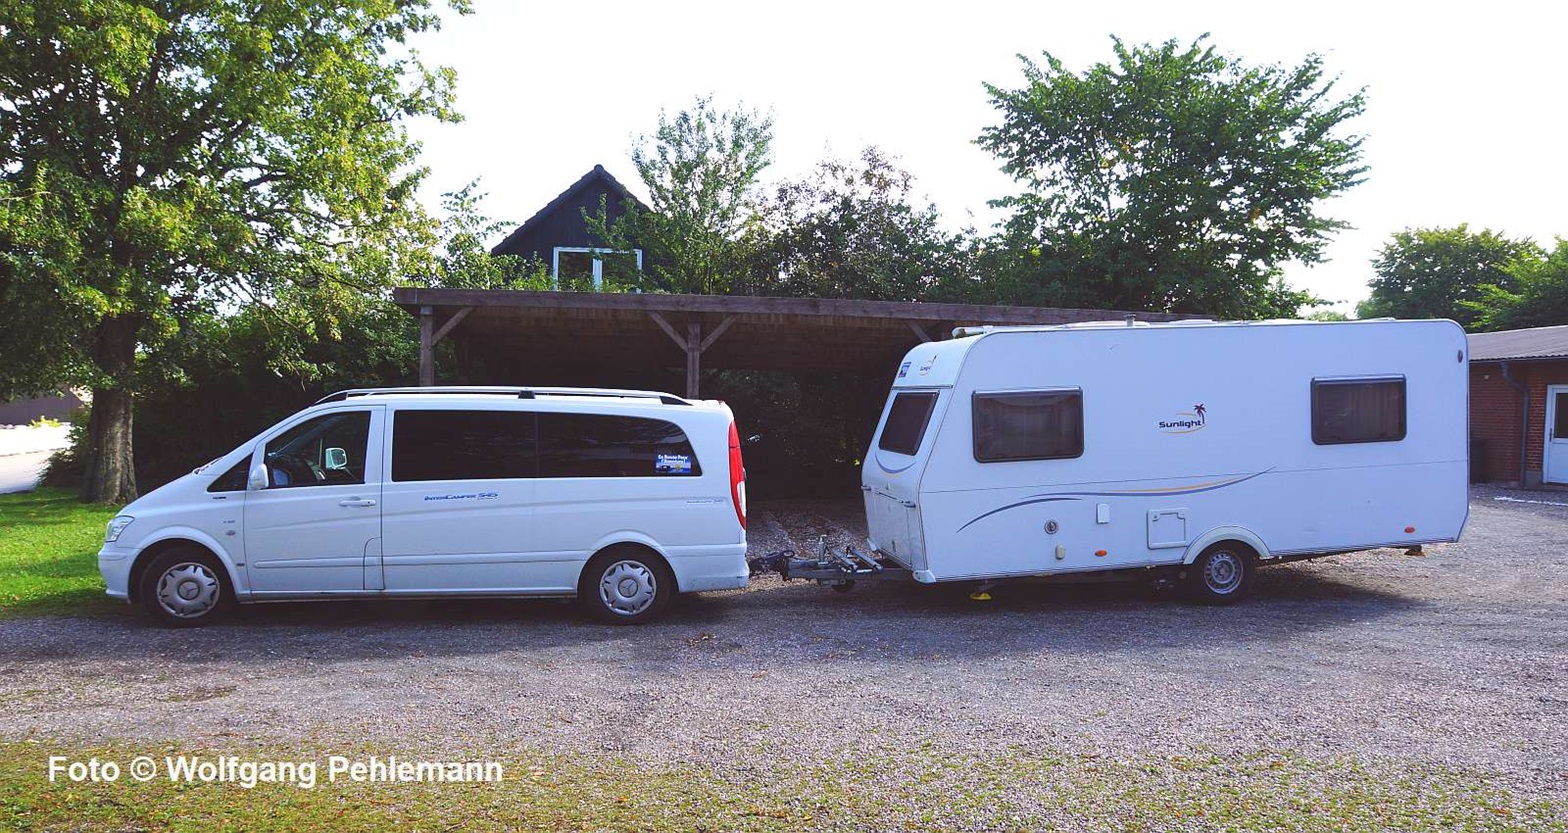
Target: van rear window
{"x": 906, "y": 422}
{"x": 1032, "y": 425}
{"x": 594, "y": 445}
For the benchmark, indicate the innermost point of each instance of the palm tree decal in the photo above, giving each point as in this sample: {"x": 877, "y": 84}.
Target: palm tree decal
{"x": 1199, "y": 410}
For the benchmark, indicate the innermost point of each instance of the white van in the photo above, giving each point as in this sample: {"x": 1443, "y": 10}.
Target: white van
{"x": 619, "y": 498}
{"x": 1191, "y": 450}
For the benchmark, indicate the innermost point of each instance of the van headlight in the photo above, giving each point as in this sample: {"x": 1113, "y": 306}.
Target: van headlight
{"x": 116, "y": 527}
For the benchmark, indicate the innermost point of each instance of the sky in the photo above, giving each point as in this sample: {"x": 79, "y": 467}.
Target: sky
{"x": 1464, "y": 121}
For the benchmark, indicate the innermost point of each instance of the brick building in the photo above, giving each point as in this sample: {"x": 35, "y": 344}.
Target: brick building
{"x": 1519, "y": 406}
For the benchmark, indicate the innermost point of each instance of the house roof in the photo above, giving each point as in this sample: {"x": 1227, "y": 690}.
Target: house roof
{"x": 598, "y": 175}
{"x": 1534, "y": 343}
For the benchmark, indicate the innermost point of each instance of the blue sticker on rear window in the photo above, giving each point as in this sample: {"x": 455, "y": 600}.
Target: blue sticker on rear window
{"x": 903, "y": 370}
{"x": 673, "y": 464}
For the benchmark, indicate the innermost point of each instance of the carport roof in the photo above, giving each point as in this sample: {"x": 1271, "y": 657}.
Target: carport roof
{"x": 588, "y": 329}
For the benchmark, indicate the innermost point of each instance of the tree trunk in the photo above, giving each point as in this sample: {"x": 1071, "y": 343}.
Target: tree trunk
{"x": 109, "y": 472}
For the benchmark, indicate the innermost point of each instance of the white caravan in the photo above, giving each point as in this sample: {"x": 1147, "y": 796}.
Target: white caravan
{"x": 620, "y": 498}
{"x": 1195, "y": 450}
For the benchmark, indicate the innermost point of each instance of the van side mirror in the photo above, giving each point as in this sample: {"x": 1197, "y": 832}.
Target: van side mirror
{"x": 258, "y": 477}
{"x": 335, "y": 459}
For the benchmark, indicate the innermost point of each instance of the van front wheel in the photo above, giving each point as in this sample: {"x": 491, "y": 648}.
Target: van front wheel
{"x": 185, "y": 587}
{"x": 1222, "y": 574}
{"x": 626, "y": 586}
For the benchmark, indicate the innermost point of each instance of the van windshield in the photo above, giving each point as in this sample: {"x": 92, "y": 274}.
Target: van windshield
{"x": 906, "y": 422}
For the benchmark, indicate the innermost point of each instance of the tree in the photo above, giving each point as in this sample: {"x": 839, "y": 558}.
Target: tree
{"x": 159, "y": 160}
{"x": 1538, "y": 298}
{"x": 701, "y": 169}
{"x": 1440, "y": 272}
{"x": 850, "y": 231}
{"x": 1173, "y": 178}
{"x": 1327, "y": 315}
{"x": 463, "y": 259}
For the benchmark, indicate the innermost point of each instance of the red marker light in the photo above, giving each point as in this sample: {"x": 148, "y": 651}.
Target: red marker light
{"x": 1410, "y": 529}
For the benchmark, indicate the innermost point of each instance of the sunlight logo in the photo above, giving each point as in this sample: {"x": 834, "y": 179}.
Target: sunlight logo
{"x": 1186, "y": 422}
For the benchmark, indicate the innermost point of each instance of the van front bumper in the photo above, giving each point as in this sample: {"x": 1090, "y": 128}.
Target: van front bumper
{"x": 115, "y": 565}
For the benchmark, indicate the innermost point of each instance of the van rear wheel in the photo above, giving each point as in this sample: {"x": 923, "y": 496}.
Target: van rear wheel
{"x": 625, "y": 586}
{"x": 1222, "y": 574}
{"x": 185, "y": 587}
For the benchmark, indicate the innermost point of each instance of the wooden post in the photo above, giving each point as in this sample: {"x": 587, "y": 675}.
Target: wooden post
{"x": 693, "y": 357}
{"x": 427, "y": 347}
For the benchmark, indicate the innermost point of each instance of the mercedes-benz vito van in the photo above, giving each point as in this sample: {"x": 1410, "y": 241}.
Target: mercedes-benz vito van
{"x": 619, "y": 498}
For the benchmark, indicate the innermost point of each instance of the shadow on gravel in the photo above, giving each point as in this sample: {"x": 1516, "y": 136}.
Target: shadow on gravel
{"x": 889, "y": 621}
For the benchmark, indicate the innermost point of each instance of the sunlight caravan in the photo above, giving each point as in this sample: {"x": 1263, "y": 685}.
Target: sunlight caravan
{"x": 1191, "y": 450}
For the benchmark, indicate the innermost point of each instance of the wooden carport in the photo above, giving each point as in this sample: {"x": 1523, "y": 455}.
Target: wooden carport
{"x": 592, "y": 329}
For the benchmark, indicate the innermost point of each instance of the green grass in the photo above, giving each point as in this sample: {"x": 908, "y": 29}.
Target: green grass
{"x": 907, "y": 789}
{"x": 49, "y": 554}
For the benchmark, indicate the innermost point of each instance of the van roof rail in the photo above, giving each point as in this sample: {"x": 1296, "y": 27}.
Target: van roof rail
{"x": 520, "y": 393}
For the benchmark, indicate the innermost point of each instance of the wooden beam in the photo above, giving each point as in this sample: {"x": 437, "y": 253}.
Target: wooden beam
{"x": 427, "y": 344}
{"x": 665, "y": 326}
{"x": 412, "y": 298}
{"x": 717, "y": 331}
{"x": 693, "y": 356}
{"x": 456, "y": 318}
{"x": 919, "y": 331}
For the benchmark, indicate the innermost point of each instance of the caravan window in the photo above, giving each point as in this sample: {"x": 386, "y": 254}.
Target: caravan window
{"x": 1034, "y": 425}
{"x": 1358, "y": 411}
{"x": 906, "y": 422}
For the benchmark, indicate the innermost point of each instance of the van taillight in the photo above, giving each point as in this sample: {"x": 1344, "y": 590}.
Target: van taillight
{"x": 737, "y": 477}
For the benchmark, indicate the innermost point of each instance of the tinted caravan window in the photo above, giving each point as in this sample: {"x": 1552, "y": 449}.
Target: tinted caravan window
{"x": 462, "y": 445}
{"x": 592, "y": 445}
{"x": 906, "y": 422}
{"x": 1044, "y": 425}
{"x": 1358, "y": 411}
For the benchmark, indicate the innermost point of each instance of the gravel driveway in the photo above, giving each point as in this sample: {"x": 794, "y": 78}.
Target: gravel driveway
{"x": 1458, "y": 658}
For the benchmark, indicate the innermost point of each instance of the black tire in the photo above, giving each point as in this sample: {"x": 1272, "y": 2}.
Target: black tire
{"x": 185, "y": 587}
{"x": 625, "y": 586}
{"x": 1222, "y": 574}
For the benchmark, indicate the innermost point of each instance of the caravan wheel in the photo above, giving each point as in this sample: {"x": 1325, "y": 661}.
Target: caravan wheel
{"x": 1222, "y": 574}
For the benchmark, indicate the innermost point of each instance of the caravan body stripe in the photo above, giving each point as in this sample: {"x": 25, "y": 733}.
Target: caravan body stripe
{"x": 1165, "y": 492}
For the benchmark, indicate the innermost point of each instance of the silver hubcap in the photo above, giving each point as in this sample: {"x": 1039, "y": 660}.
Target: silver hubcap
{"x": 1222, "y": 572}
{"x": 188, "y": 590}
{"x": 628, "y": 587}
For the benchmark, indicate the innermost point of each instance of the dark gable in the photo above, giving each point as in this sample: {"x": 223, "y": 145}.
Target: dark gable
{"x": 560, "y": 223}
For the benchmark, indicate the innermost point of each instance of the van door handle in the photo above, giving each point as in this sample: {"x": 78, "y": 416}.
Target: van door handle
{"x": 354, "y": 501}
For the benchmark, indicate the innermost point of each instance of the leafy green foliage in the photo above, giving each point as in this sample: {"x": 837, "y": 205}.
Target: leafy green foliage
{"x": 1441, "y": 272}
{"x": 850, "y": 231}
{"x": 1538, "y": 298}
{"x": 1172, "y": 179}
{"x": 159, "y": 161}
{"x": 701, "y": 227}
{"x": 463, "y": 259}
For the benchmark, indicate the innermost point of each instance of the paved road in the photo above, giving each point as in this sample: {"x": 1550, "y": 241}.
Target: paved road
{"x": 19, "y": 472}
